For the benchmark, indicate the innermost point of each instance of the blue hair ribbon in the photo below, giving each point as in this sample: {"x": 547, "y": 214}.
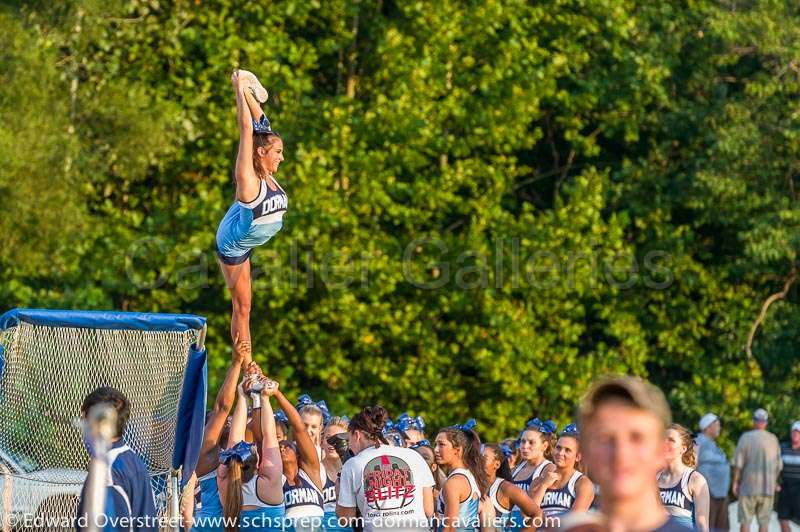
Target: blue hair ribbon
{"x": 306, "y": 400}
{"x": 506, "y": 450}
{"x": 392, "y": 433}
{"x": 326, "y": 414}
{"x": 420, "y": 443}
{"x": 571, "y": 429}
{"x": 406, "y": 422}
{"x": 395, "y": 438}
{"x": 262, "y": 125}
{"x": 466, "y": 427}
{"x": 242, "y": 451}
{"x": 280, "y": 415}
{"x": 545, "y": 427}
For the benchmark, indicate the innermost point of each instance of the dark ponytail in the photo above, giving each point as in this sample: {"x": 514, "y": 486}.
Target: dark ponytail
{"x": 504, "y": 471}
{"x": 474, "y": 462}
{"x": 370, "y": 421}
{"x": 470, "y": 443}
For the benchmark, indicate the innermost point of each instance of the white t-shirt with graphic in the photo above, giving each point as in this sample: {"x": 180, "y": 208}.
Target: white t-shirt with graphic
{"x": 386, "y": 484}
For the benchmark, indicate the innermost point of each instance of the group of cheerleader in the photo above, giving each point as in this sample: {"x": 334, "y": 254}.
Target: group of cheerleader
{"x": 276, "y": 467}
{"x": 280, "y": 467}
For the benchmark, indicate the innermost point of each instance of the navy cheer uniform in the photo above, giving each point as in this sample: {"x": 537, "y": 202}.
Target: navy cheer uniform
{"x": 677, "y": 500}
{"x": 248, "y": 225}
{"x": 559, "y": 501}
{"x": 303, "y": 501}
{"x": 331, "y": 522}
{"x": 516, "y": 520}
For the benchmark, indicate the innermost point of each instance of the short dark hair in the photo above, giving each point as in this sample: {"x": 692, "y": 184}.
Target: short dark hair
{"x": 114, "y": 397}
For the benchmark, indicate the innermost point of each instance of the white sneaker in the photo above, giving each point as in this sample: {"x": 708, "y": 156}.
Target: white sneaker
{"x": 256, "y": 88}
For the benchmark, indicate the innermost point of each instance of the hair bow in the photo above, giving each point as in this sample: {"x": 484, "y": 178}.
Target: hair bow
{"x": 395, "y": 438}
{"x": 242, "y": 451}
{"x": 345, "y": 419}
{"x": 468, "y": 426}
{"x": 392, "y": 433}
{"x": 420, "y": 443}
{"x": 306, "y": 400}
{"x": 545, "y": 427}
{"x": 406, "y": 422}
{"x": 262, "y": 125}
{"x": 506, "y": 450}
{"x": 572, "y": 429}
{"x": 281, "y": 416}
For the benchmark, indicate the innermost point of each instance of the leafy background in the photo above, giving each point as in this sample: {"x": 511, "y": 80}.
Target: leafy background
{"x": 491, "y": 202}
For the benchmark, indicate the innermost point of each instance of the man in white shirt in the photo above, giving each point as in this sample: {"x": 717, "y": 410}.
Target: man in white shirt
{"x": 392, "y": 487}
